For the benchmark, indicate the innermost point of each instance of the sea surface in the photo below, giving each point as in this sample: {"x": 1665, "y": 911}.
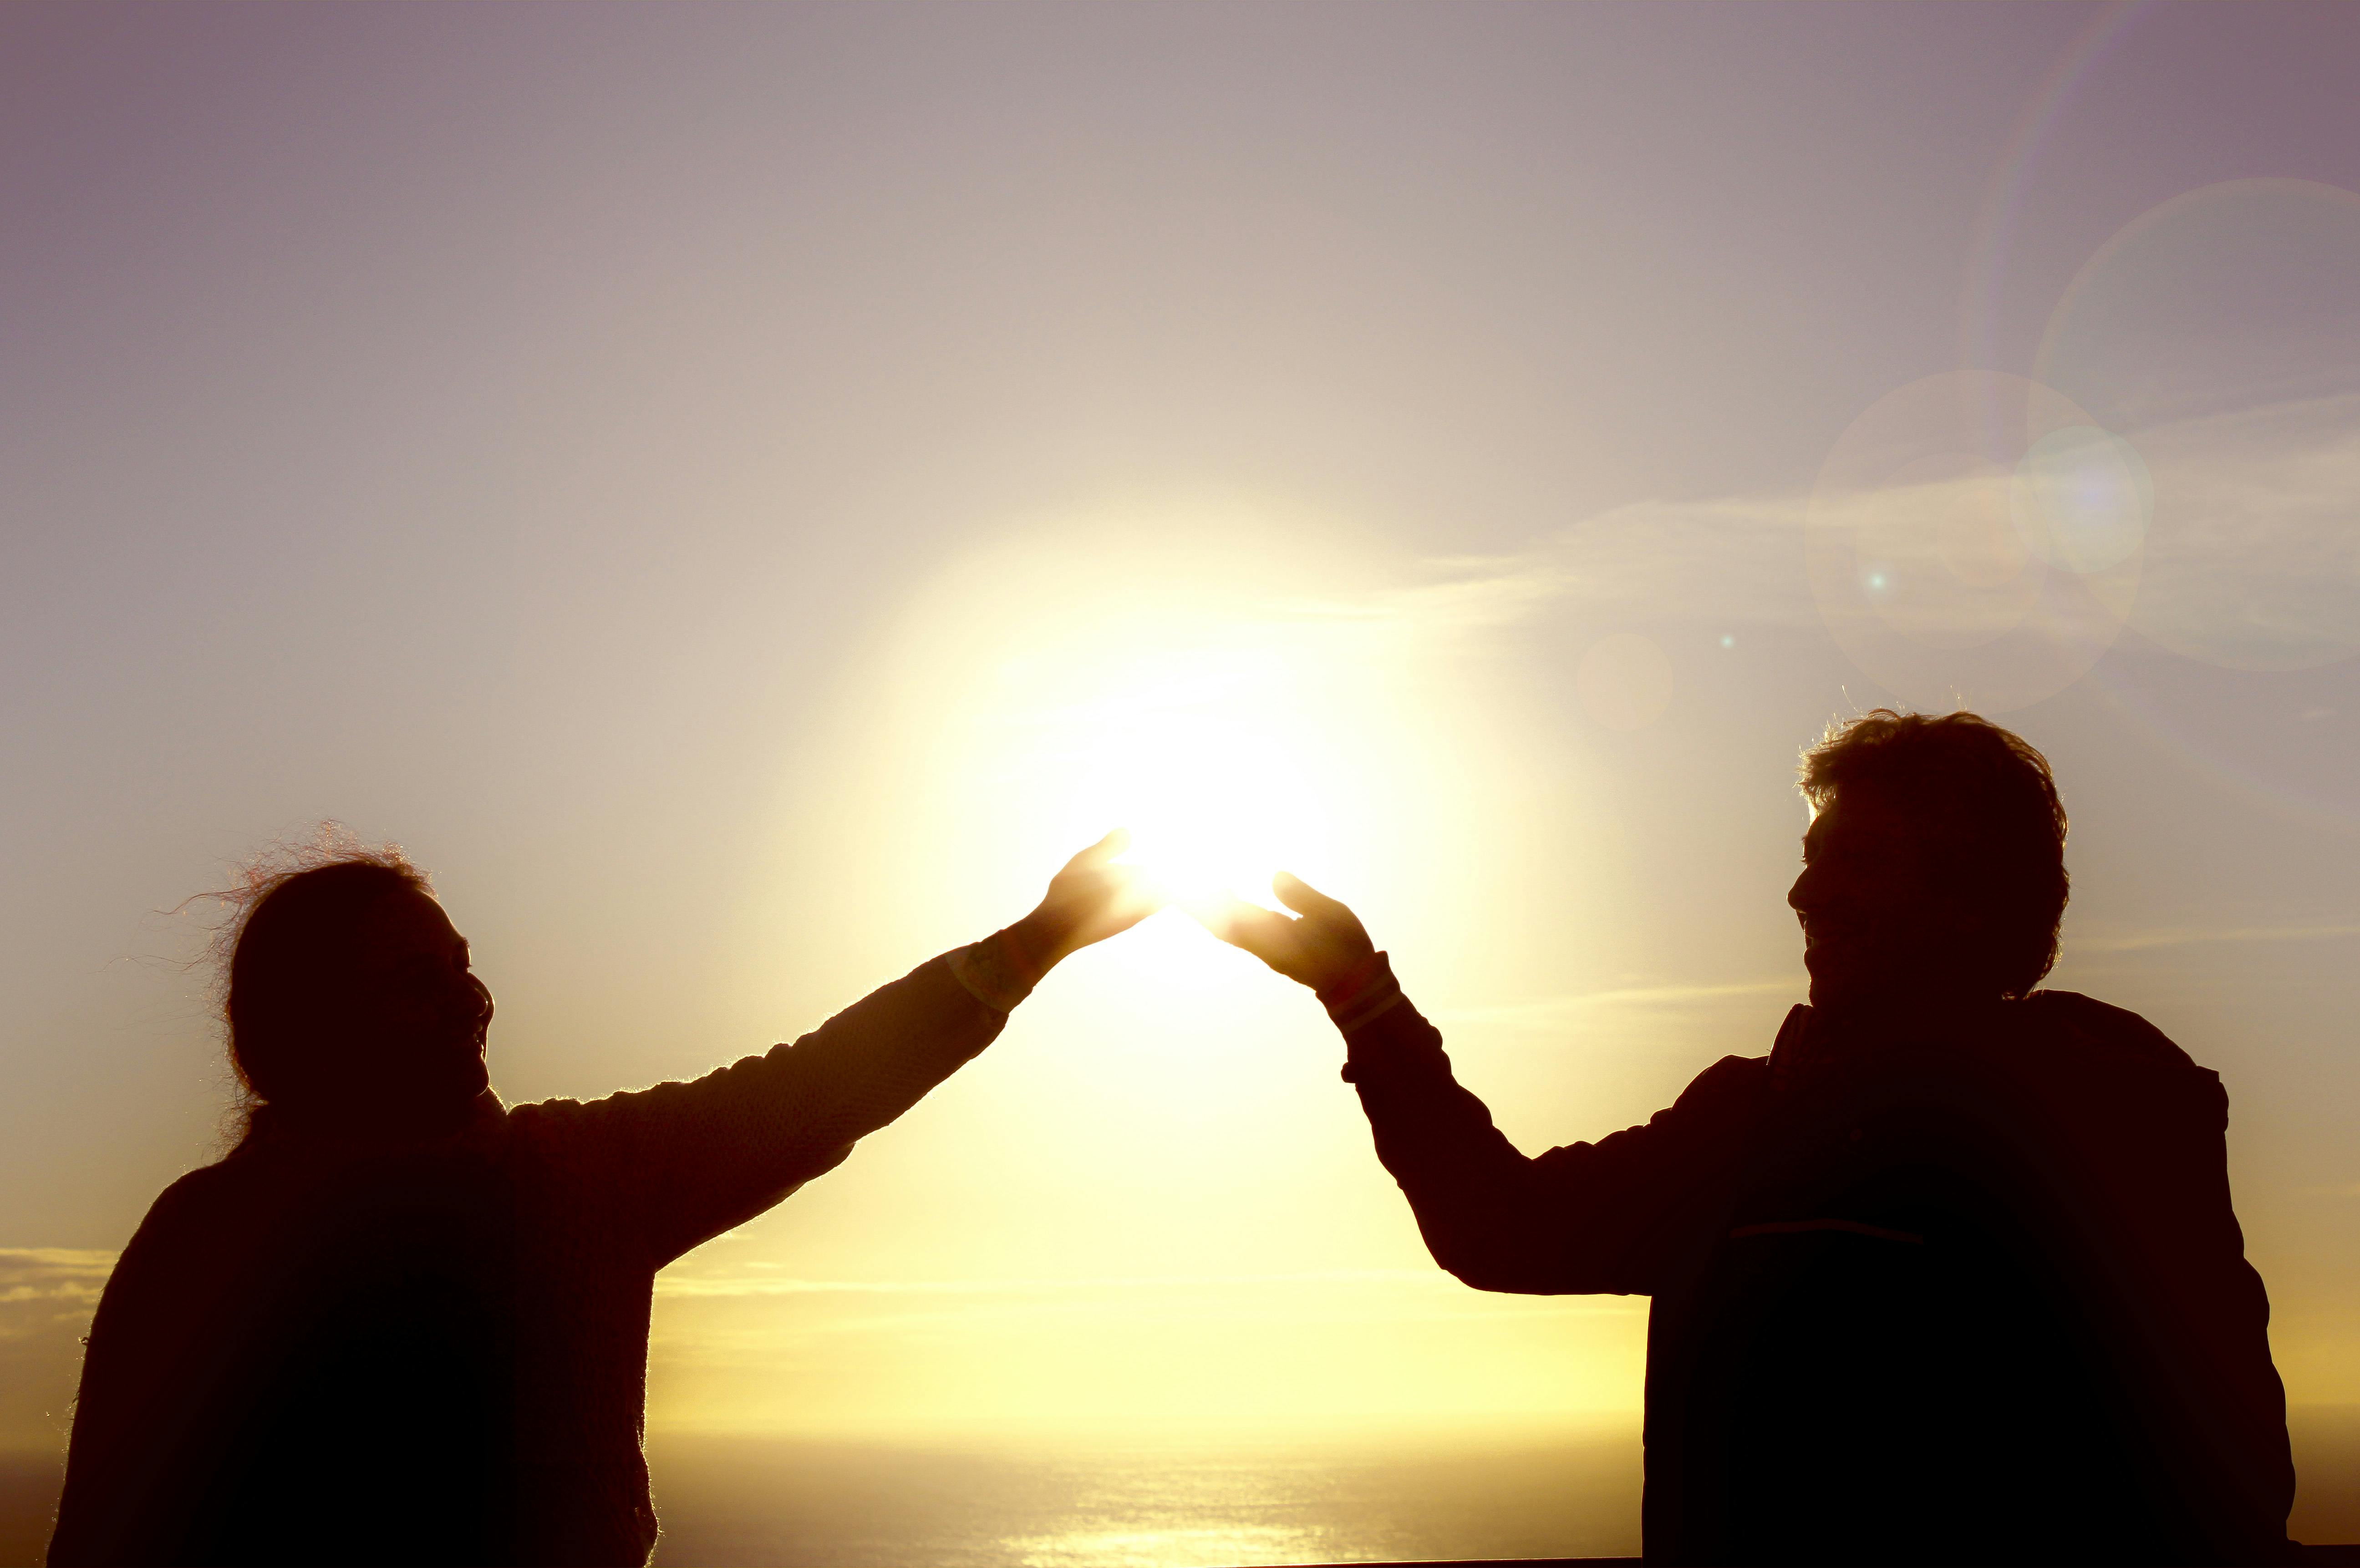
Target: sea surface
{"x": 1145, "y": 1505}
{"x": 1177, "y": 1504}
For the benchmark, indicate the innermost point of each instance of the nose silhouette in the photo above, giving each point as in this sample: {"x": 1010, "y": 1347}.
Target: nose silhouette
{"x": 1817, "y": 892}
{"x": 1800, "y": 895}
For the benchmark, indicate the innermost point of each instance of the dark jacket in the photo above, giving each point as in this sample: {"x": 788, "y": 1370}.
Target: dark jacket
{"x": 437, "y": 1352}
{"x": 1976, "y": 1298}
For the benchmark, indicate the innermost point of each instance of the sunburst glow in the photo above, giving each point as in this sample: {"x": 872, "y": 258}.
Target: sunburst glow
{"x": 1236, "y": 729}
{"x": 1207, "y": 758}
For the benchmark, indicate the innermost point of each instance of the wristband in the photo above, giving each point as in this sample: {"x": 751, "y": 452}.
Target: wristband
{"x": 1367, "y": 990}
{"x": 989, "y": 973}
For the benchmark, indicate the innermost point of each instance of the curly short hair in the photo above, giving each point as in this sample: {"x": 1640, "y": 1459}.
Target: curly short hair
{"x": 1989, "y": 806}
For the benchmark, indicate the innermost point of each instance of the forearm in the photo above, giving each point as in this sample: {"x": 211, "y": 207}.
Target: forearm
{"x": 876, "y": 1059}
{"x": 702, "y": 1156}
{"x": 1589, "y": 1217}
{"x": 865, "y": 1066}
{"x": 1480, "y": 1204}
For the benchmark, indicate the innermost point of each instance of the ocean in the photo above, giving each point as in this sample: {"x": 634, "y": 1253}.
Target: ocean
{"x": 1141, "y": 1505}
{"x": 727, "y": 1501}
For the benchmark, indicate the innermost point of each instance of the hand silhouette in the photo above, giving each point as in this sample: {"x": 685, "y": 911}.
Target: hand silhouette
{"x": 1323, "y": 950}
{"x": 1091, "y": 900}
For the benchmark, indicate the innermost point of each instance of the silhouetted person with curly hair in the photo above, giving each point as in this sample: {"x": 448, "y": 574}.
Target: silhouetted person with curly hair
{"x": 403, "y": 1323}
{"x": 1951, "y": 1275}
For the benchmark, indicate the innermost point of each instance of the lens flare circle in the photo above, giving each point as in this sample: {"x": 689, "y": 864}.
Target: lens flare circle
{"x": 2082, "y": 497}
{"x": 2219, "y": 331}
{"x": 1974, "y": 538}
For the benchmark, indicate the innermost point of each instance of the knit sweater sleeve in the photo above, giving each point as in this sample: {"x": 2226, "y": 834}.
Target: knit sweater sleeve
{"x": 682, "y": 1163}
{"x": 1608, "y": 1217}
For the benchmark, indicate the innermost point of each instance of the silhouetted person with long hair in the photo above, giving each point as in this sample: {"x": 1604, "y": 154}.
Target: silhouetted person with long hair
{"x": 403, "y": 1323}
{"x": 1951, "y": 1275}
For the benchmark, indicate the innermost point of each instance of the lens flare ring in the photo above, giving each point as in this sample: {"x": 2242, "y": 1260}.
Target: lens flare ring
{"x": 1974, "y": 537}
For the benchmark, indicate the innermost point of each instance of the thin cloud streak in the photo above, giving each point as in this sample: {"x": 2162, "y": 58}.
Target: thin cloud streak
{"x": 2251, "y": 538}
{"x": 2189, "y": 936}
{"x": 778, "y": 1286}
{"x": 1547, "y": 1010}
{"x": 771, "y": 1285}
{"x": 69, "y": 1276}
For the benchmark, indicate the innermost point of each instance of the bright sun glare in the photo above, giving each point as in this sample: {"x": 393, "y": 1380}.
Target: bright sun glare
{"x": 1206, "y": 757}
{"x": 1236, "y": 726}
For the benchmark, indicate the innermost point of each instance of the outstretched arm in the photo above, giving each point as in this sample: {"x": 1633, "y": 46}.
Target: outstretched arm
{"x": 689, "y": 1160}
{"x": 1607, "y": 1216}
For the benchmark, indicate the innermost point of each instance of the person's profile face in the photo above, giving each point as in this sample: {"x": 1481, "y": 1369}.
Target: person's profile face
{"x": 427, "y": 1015}
{"x": 1876, "y": 923}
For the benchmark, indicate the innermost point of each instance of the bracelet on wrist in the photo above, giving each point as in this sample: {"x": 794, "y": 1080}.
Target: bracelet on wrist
{"x": 1363, "y": 995}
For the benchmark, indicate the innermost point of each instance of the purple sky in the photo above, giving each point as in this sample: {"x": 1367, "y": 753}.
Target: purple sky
{"x": 524, "y": 432}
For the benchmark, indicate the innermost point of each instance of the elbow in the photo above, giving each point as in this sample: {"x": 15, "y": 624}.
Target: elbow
{"x": 1492, "y": 1277}
{"x": 1492, "y": 1262}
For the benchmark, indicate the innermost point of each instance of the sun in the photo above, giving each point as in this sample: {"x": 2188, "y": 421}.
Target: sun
{"x": 1238, "y": 720}
{"x": 1230, "y": 744}
{"x": 1204, "y": 756}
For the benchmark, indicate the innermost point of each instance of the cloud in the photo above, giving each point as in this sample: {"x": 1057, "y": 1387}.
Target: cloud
{"x": 40, "y": 1284}
{"x": 1422, "y": 1293}
{"x": 2254, "y": 558}
{"x": 47, "y": 1297}
{"x": 1548, "y": 1011}
{"x": 761, "y": 1310}
{"x": 2250, "y": 555}
{"x": 1736, "y": 561}
{"x": 2189, "y": 936}
{"x": 758, "y": 1281}
{"x": 1325, "y": 1350}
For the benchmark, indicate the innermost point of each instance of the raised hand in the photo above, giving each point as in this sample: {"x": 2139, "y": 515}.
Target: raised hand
{"x": 1327, "y": 948}
{"x": 1091, "y": 900}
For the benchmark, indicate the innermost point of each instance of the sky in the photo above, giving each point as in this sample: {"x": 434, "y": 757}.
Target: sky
{"x": 742, "y": 493}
